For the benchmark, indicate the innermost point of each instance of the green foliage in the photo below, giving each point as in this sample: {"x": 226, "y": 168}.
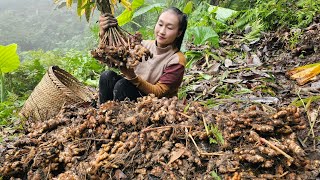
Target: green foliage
{"x": 9, "y": 61}
{"x": 300, "y": 102}
{"x": 87, "y": 7}
{"x": 148, "y": 8}
{"x": 215, "y": 136}
{"x": 275, "y": 14}
{"x": 183, "y": 91}
{"x": 144, "y": 19}
{"x": 83, "y": 67}
{"x": 31, "y": 72}
{"x": 295, "y": 36}
{"x": 126, "y": 15}
{"x": 238, "y": 5}
{"x": 188, "y": 8}
{"x": 211, "y": 16}
{"x": 182, "y": 3}
{"x": 222, "y": 14}
{"x": 9, "y": 109}
{"x": 204, "y": 35}
{"x": 22, "y": 81}
{"x": 205, "y": 22}
{"x": 256, "y": 28}
{"x": 78, "y": 63}
{"x": 215, "y": 176}
{"x": 193, "y": 56}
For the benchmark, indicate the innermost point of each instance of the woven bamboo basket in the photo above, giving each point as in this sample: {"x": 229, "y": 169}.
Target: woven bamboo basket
{"x": 56, "y": 89}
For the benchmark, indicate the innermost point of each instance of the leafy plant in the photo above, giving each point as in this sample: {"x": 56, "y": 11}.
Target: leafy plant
{"x": 294, "y": 39}
{"x": 300, "y": 102}
{"x": 256, "y": 28}
{"x": 78, "y": 63}
{"x": 87, "y": 7}
{"x": 210, "y": 16}
{"x": 9, "y": 109}
{"x": 215, "y": 136}
{"x": 276, "y": 14}
{"x": 81, "y": 65}
{"x": 204, "y": 35}
{"x": 144, "y": 18}
{"x": 215, "y": 176}
{"x": 9, "y": 61}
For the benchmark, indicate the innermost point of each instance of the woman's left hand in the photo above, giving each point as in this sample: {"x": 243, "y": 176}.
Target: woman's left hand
{"x": 128, "y": 72}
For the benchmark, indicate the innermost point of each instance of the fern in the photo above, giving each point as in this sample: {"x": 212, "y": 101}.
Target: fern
{"x": 275, "y": 14}
{"x": 244, "y": 19}
{"x": 256, "y": 28}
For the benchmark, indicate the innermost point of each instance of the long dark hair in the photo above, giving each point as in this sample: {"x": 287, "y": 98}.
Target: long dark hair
{"x": 183, "y": 23}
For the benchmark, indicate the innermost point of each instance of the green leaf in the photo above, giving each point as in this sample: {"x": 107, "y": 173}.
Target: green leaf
{"x": 192, "y": 57}
{"x": 9, "y": 59}
{"x": 88, "y": 11}
{"x": 299, "y": 102}
{"x": 149, "y": 8}
{"x": 215, "y": 176}
{"x": 222, "y": 14}
{"x": 136, "y": 4}
{"x": 203, "y": 35}
{"x": 125, "y": 17}
{"x": 216, "y": 133}
{"x": 224, "y": 75}
{"x": 188, "y": 8}
{"x": 206, "y": 76}
{"x": 212, "y": 141}
{"x": 79, "y": 7}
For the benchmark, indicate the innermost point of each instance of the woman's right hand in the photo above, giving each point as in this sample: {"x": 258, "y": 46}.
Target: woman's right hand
{"x": 106, "y": 21}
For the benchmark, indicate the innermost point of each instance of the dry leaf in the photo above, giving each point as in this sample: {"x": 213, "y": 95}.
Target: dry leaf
{"x": 175, "y": 155}
{"x": 119, "y": 175}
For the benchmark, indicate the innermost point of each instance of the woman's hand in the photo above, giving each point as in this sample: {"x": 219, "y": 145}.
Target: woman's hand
{"x": 128, "y": 72}
{"x": 106, "y": 21}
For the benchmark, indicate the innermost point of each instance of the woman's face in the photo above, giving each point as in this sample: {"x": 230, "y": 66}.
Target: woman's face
{"x": 167, "y": 29}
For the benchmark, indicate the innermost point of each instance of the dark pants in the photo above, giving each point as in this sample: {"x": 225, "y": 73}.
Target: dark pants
{"x": 114, "y": 87}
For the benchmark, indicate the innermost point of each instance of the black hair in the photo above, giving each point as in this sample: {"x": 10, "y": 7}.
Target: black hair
{"x": 183, "y": 23}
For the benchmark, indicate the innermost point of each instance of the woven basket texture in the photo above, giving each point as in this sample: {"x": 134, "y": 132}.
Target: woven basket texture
{"x": 56, "y": 89}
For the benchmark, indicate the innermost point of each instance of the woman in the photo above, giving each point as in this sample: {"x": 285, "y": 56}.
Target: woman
{"x": 160, "y": 75}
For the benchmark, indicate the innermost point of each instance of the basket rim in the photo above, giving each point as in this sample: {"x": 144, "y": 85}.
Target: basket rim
{"x": 65, "y": 88}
